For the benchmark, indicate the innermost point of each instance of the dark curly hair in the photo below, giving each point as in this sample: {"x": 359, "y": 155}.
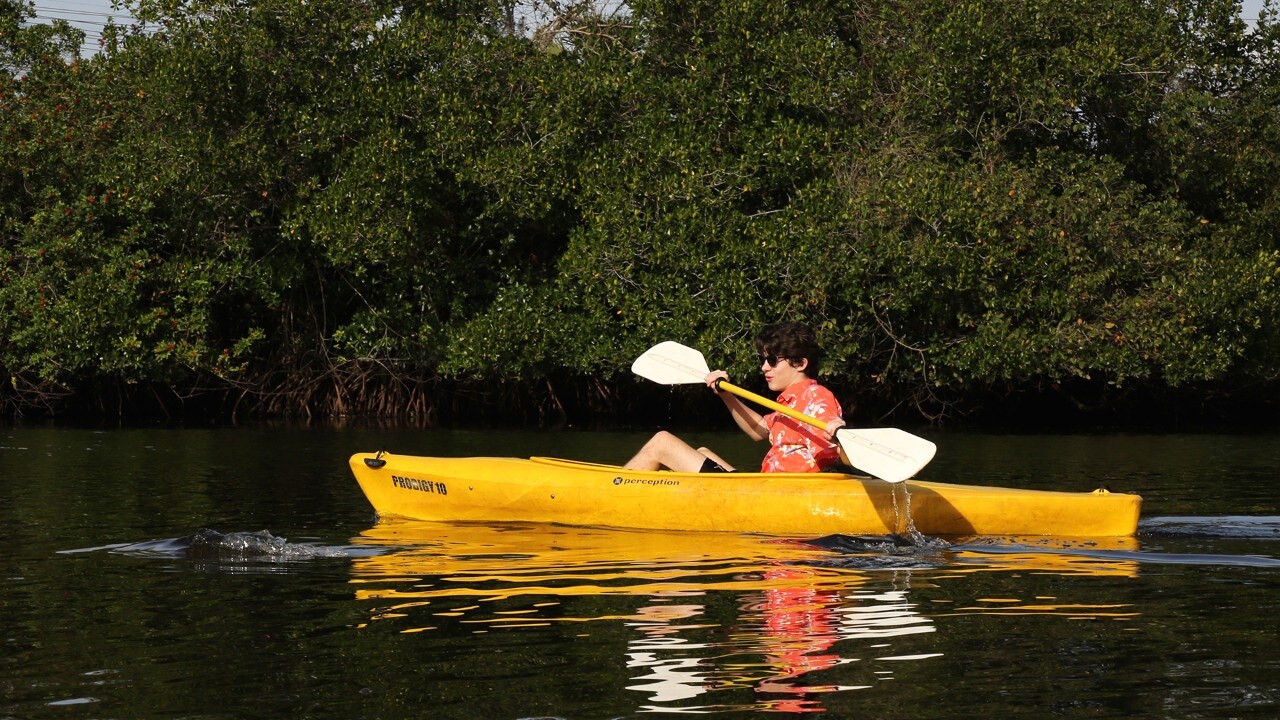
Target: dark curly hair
{"x": 793, "y": 341}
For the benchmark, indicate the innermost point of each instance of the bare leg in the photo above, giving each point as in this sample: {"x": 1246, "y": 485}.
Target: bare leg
{"x": 665, "y": 450}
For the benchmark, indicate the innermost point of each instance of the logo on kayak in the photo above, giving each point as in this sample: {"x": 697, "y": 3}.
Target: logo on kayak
{"x": 427, "y": 486}
{"x": 644, "y": 481}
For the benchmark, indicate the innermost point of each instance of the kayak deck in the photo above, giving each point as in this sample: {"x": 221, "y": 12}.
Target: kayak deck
{"x": 580, "y": 493}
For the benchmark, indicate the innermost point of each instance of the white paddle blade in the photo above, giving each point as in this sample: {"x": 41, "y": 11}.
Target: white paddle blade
{"x": 890, "y": 454}
{"x": 671, "y": 363}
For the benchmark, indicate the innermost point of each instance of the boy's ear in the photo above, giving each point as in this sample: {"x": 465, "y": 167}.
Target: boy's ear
{"x": 802, "y": 366}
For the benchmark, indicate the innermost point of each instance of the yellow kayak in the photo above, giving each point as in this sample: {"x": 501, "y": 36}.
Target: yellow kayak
{"x": 548, "y": 490}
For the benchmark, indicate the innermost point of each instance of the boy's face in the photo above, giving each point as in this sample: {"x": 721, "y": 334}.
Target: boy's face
{"x": 781, "y": 373}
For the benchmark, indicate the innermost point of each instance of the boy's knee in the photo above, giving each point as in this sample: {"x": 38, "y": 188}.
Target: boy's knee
{"x": 662, "y": 438}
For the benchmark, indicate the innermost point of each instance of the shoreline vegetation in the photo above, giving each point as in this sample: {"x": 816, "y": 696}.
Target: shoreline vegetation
{"x": 1001, "y": 214}
{"x": 627, "y": 404}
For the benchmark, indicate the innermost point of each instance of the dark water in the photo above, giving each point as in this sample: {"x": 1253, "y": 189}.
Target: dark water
{"x": 241, "y": 574}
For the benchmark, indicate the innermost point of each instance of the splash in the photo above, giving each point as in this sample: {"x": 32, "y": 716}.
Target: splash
{"x": 260, "y": 546}
{"x": 208, "y": 544}
{"x": 879, "y": 552}
{"x": 916, "y": 538}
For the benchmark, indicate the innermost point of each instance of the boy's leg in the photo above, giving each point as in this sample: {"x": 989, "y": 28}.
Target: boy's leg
{"x": 716, "y": 459}
{"x": 665, "y": 450}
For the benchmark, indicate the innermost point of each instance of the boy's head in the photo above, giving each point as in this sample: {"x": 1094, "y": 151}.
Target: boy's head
{"x": 793, "y": 341}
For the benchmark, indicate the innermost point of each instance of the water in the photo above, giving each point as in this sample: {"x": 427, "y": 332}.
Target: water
{"x": 241, "y": 574}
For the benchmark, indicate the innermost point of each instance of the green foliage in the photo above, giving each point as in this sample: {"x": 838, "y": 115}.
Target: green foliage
{"x": 960, "y": 196}
{"x": 25, "y": 44}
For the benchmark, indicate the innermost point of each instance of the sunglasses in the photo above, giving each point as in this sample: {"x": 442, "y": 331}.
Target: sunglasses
{"x": 771, "y": 360}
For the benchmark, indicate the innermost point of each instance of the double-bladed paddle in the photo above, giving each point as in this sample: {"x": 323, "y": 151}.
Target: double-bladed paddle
{"x": 890, "y": 454}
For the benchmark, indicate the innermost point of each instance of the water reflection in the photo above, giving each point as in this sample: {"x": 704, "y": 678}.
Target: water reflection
{"x": 782, "y": 635}
{"x": 718, "y": 621}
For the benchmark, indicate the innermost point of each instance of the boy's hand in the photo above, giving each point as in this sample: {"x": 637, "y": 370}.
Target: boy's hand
{"x": 832, "y": 427}
{"x": 714, "y": 377}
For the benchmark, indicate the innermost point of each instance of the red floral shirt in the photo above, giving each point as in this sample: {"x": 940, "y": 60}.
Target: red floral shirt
{"x": 797, "y": 446}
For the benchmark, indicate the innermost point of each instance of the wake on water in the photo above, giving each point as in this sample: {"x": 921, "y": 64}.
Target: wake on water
{"x": 212, "y": 545}
{"x": 1235, "y": 527}
{"x": 919, "y": 551}
{"x": 910, "y": 550}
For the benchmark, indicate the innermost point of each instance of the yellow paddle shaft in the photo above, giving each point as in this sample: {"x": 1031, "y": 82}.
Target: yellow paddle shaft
{"x": 789, "y": 412}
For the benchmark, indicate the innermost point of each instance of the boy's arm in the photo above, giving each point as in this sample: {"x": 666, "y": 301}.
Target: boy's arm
{"x": 747, "y": 419}
{"x": 751, "y": 422}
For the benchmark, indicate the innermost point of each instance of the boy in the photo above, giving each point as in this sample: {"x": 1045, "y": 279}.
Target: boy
{"x": 789, "y": 357}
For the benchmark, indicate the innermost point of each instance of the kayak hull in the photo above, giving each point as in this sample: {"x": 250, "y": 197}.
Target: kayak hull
{"x": 549, "y": 490}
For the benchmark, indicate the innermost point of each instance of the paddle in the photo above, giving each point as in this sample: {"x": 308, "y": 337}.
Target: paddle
{"x": 890, "y": 454}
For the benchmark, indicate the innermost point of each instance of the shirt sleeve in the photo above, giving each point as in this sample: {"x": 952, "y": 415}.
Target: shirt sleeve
{"x": 821, "y": 403}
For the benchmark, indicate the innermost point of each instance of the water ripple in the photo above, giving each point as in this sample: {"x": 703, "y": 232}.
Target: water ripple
{"x": 1242, "y": 527}
{"x": 1135, "y": 556}
{"x": 207, "y": 544}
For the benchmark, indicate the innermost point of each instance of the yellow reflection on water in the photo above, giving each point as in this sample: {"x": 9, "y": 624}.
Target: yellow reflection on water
{"x": 1049, "y": 556}
{"x": 805, "y": 621}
